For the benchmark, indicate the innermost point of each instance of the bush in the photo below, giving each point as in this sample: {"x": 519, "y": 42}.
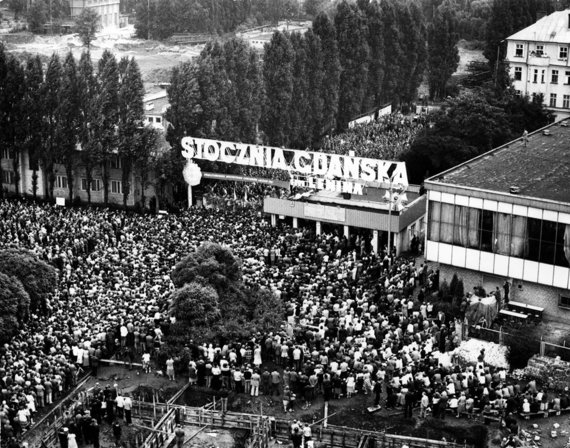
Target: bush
{"x": 522, "y": 345}
{"x": 76, "y": 201}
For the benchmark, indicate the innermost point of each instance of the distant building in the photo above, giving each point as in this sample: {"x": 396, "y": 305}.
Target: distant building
{"x": 155, "y": 107}
{"x": 538, "y": 61}
{"x": 505, "y": 216}
{"x": 108, "y": 11}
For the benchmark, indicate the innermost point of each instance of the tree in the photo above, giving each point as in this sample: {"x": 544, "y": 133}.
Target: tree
{"x": 313, "y": 7}
{"x": 131, "y": 116}
{"x": 376, "y": 67}
{"x": 88, "y": 115}
{"x": 18, "y": 7}
{"x": 278, "y": 76}
{"x": 325, "y": 30}
{"x": 212, "y": 302}
{"x": 147, "y": 142}
{"x": 212, "y": 262}
{"x": 393, "y": 50}
{"x": 38, "y": 278}
{"x": 315, "y": 73}
{"x": 68, "y": 122}
{"x": 299, "y": 109}
{"x": 34, "y": 115}
{"x": 351, "y": 31}
{"x": 443, "y": 56}
{"x": 50, "y": 135}
{"x": 12, "y": 110}
{"x": 14, "y": 306}
{"x": 87, "y": 24}
{"x": 37, "y": 16}
{"x": 107, "y": 116}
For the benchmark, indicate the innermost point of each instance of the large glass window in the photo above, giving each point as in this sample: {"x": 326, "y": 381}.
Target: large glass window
{"x": 446, "y": 226}
{"x": 434, "y": 218}
{"x": 502, "y": 233}
{"x": 461, "y": 226}
{"x": 533, "y": 236}
{"x": 487, "y": 231}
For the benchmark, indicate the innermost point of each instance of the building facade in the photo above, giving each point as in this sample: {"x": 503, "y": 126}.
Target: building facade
{"x": 505, "y": 216}
{"x": 538, "y": 61}
{"x": 108, "y": 11}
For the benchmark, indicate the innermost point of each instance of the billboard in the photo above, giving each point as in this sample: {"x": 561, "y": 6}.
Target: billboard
{"x": 342, "y": 173}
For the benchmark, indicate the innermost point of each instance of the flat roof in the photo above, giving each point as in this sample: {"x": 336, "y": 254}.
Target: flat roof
{"x": 540, "y": 169}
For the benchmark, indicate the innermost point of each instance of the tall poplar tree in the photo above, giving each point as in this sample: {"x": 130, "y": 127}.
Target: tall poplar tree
{"x": 315, "y": 73}
{"x": 351, "y": 31}
{"x": 443, "y": 53}
{"x": 33, "y": 116}
{"x": 393, "y": 50}
{"x": 88, "y": 113}
{"x": 325, "y": 30}
{"x": 50, "y": 126}
{"x": 278, "y": 75}
{"x": 69, "y": 119}
{"x": 131, "y": 116}
{"x": 299, "y": 108}
{"x": 107, "y": 116}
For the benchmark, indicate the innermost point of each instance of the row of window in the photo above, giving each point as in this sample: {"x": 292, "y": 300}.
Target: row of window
{"x": 539, "y": 51}
{"x": 96, "y": 184}
{"x": 541, "y": 76}
{"x": 565, "y": 101}
{"x": 115, "y": 162}
{"x": 154, "y": 119}
{"x": 501, "y": 233}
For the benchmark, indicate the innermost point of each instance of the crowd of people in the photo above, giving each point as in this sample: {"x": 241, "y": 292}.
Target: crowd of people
{"x": 357, "y": 322}
{"x": 387, "y": 138}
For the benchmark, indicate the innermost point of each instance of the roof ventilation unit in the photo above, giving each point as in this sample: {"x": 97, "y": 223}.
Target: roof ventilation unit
{"x": 515, "y": 190}
{"x": 564, "y": 124}
{"x": 546, "y": 132}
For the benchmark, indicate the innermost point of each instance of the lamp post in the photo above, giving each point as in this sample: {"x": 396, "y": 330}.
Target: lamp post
{"x": 390, "y": 221}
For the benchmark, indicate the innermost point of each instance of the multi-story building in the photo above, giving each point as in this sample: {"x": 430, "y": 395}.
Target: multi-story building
{"x": 538, "y": 61}
{"x": 108, "y": 11}
{"x": 505, "y": 216}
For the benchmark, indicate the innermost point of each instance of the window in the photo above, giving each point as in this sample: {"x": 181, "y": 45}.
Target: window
{"x": 116, "y": 187}
{"x": 7, "y": 177}
{"x": 552, "y": 100}
{"x": 539, "y": 50}
{"x": 566, "y": 101}
{"x": 518, "y": 73}
{"x": 548, "y": 242}
{"x": 542, "y": 76}
{"x": 434, "y": 218}
{"x": 487, "y": 231}
{"x": 6, "y": 153}
{"x": 150, "y": 119}
{"x": 554, "y": 79}
{"x": 159, "y": 119}
{"x": 564, "y": 301}
{"x": 567, "y": 74}
{"x": 563, "y": 53}
{"x": 446, "y": 224}
{"x": 533, "y": 233}
{"x": 61, "y": 182}
{"x": 116, "y": 162}
{"x": 95, "y": 184}
{"x": 535, "y": 76}
{"x": 519, "y": 51}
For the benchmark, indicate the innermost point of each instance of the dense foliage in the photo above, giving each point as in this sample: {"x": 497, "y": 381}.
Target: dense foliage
{"x": 49, "y": 114}
{"x": 37, "y": 278}
{"x": 212, "y": 302}
{"x": 471, "y": 124}
{"x": 168, "y": 17}
{"x": 14, "y": 306}
{"x": 309, "y": 84}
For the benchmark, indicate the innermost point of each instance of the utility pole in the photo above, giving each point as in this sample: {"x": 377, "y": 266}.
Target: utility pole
{"x": 147, "y": 19}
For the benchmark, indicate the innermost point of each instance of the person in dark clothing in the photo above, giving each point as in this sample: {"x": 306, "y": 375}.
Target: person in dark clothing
{"x": 377, "y": 393}
{"x": 94, "y": 433}
{"x": 62, "y": 436}
{"x": 409, "y": 400}
{"x": 117, "y": 431}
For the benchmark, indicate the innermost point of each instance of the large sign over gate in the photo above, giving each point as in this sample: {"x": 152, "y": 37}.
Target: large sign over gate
{"x": 311, "y": 169}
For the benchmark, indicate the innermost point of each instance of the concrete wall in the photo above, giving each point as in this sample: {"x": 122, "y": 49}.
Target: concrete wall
{"x": 521, "y": 291}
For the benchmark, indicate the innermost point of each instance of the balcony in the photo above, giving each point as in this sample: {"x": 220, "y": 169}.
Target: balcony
{"x": 538, "y": 59}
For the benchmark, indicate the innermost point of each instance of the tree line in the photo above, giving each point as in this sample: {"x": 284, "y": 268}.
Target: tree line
{"x": 160, "y": 19}
{"x": 307, "y": 85}
{"x": 51, "y": 113}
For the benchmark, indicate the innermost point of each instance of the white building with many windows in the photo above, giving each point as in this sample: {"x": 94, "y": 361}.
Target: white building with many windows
{"x": 505, "y": 216}
{"x": 538, "y": 61}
